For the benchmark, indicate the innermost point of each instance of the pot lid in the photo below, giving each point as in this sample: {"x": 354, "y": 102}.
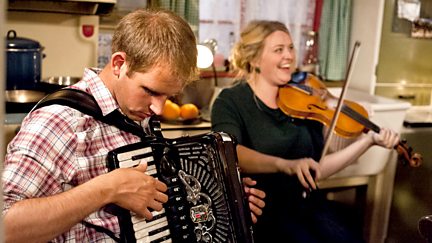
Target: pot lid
{"x": 14, "y": 42}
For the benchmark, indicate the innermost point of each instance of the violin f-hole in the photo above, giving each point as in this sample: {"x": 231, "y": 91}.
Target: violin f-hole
{"x": 311, "y": 106}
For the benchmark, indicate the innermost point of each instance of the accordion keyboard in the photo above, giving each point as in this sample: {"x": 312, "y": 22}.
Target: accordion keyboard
{"x": 156, "y": 229}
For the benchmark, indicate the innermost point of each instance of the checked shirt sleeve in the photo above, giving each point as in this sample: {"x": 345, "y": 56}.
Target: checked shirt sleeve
{"x": 40, "y": 159}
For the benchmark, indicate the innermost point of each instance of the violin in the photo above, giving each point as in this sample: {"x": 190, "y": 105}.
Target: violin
{"x": 306, "y": 97}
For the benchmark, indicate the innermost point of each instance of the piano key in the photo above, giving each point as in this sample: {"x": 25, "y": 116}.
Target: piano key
{"x": 140, "y": 156}
{"x": 151, "y": 170}
{"x": 159, "y": 235}
{"x": 156, "y": 214}
{"x": 154, "y": 229}
{"x": 146, "y": 236}
{"x": 131, "y": 163}
{"x": 164, "y": 239}
{"x": 146, "y": 225}
{"x": 128, "y": 163}
{"x": 129, "y": 155}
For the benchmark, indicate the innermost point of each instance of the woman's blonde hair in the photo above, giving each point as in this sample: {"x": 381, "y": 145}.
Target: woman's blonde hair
{"x": 251, "y": 44}
{"x": 155, "y": 37}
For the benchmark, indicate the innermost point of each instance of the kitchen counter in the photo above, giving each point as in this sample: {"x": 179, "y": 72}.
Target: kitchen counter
{"x": 202, "y": 125}
{"x": 418, "y": 116}
{"x": 170, "y": 130}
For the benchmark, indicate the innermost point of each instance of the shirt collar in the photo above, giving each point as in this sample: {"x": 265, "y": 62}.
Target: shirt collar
{"x": 93, "y": 84}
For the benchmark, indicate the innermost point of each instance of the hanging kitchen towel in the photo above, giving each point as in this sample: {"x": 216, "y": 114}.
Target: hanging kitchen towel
{"x": 334, "y": 36}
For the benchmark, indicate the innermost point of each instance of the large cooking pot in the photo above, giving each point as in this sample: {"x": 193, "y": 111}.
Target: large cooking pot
{"x": 23, "y": 61}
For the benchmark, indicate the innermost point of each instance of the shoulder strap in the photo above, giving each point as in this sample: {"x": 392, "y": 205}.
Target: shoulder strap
{"x": 84, "y": 102}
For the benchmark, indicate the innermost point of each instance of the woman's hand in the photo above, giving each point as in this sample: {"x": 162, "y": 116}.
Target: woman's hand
{"x": 306, "y": 169}
{"x": 386, "y": 138}
{"x": 255, "y": 198}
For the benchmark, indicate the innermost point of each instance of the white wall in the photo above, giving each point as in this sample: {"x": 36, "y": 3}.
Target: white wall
{"x": 366, "y": 28}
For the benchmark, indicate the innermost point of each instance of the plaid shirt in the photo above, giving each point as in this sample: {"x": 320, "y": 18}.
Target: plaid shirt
{"x": 58, "y": 148}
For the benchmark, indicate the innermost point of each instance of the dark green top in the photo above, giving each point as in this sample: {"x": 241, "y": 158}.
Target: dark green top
{"x": 239, "y": 112}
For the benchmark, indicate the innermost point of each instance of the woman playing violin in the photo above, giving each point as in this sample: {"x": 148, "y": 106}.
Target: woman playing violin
{"x": 282, "y": 152}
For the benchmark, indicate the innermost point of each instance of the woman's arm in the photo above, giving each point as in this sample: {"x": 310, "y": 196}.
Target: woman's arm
{"x": 337, "y": 161}
{"x": 252, "y": 161}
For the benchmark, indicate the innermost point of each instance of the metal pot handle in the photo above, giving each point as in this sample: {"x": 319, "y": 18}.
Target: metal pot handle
{"x": 11, "y": 34}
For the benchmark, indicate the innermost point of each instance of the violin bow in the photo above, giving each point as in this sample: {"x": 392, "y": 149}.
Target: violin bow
{"x": 348, "y": 75}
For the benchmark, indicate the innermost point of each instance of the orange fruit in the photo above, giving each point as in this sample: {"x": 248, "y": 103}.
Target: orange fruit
{"x": 189, "y": 111}
{"x": 171, "y": 110}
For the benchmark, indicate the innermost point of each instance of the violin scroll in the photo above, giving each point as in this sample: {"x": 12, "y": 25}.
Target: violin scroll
{"x": 407, "y": 155}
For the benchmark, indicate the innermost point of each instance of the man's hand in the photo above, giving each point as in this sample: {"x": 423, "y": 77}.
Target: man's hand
{"x": 255, "y": 198}
{"x": 138, "y": 191}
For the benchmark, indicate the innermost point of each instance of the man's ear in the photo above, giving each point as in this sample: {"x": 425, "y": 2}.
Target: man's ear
{"x": 118, "y": 59}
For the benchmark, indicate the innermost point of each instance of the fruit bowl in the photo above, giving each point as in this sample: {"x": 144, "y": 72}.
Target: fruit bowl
{"x": 185, "y": 114}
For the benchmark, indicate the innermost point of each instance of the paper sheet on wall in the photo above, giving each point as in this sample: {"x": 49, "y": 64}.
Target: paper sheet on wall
{"x": 409, "y": 9}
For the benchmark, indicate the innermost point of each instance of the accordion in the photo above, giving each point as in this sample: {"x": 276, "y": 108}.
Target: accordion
{"x": 207, "y": 202}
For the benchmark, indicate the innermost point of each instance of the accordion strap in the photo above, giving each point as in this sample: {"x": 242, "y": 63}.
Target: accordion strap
{"x": 102, "y": 230}
{"x": 84, "y": 102}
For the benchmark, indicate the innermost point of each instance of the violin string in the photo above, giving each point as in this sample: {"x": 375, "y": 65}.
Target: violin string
{"x": 303, "y": 87}
{"x": 360, "y": 118}
{"x": 307, "y": 88}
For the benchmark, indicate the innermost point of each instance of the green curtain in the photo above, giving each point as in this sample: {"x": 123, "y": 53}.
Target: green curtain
{"x": 188, "y": 9}
{"x": 334, "y": 34}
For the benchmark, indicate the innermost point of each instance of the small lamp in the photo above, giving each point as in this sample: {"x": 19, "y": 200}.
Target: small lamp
{"x": 205, "y": 56}
{"x": 206, "y": 51}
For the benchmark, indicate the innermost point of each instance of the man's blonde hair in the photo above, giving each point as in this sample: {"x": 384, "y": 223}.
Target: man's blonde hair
{"x": 156, "y": 37}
